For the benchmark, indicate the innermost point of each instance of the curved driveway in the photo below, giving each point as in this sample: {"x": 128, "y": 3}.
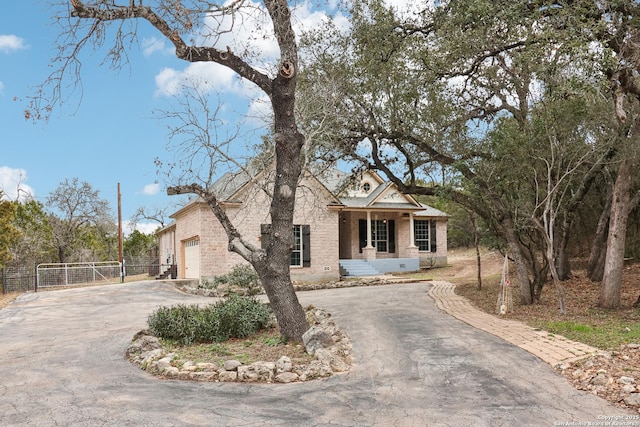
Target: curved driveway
{"x": 62, "y": 364}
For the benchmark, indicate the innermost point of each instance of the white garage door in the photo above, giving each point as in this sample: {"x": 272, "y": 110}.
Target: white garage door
{"x": 192, "y": 259}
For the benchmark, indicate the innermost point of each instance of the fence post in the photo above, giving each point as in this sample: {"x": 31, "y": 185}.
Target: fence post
{"x": 2, "y": 277}
{"x": 35, "y": 288}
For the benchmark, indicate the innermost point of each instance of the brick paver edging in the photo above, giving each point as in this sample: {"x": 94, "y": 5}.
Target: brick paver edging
{"x": 551, "y": 348}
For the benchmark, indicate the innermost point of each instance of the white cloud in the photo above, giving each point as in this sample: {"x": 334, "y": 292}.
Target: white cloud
{"x": 147, "y": 227}
{"x": 408, "y": 8}
{"x": 1, "y": 88}
{"x": 208, "y": 75}
{"x": 12, "y": 184}
{"x": 250, "y": 35}
{"x": 11, "y": 43}
{"x": 143, "y": 227}
{"x": 260, "y": 111}
{"x": 152, "y": 45}
{"x": 151, "y": 189}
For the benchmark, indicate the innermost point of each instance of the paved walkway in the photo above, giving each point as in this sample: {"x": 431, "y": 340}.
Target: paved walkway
{"x": 551, "y": 348}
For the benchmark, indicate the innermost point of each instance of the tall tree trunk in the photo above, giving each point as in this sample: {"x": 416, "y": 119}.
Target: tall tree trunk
{"x": 597, "y": 255}
{"x": 476, "y": 243}
{"x": 614, "y": 262}
{"x": 62, "y": 255}
{"x": 275, "y": 274}
{"x": 556, "y": 281}
{"x": 519, "y": 259}
{"x": 563, "y": 267}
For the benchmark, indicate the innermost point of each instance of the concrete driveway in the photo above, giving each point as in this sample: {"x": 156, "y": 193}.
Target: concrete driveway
{"x": 62, "y": 364}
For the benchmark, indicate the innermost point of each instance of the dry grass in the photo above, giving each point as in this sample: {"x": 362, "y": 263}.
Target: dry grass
{"x": 6, "y": 299}
{"x": 263, "y": 346}
{"x": 584, "y": 320}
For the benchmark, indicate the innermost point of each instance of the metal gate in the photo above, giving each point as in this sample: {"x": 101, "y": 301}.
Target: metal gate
{"x": 77, "y": 273}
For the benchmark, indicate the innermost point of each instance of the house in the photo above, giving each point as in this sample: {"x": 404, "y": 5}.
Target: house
{"x": 343, "y": 225}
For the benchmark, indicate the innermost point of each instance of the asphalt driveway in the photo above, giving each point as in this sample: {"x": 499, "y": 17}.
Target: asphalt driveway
{"x": 62, "y": 364}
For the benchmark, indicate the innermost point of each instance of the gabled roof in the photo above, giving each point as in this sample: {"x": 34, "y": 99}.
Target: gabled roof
{"x": 230, "y": 184}
{"x": 385, "y": 197}
{"x": 228, "y": 188}
{"x": 430, "y": 211}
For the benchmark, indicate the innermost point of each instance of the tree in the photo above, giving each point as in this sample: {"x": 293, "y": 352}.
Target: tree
{"x": 75, "y": 206}
{"x": 138, "y": 244}
{"x": 412, "y": 96}
{"x": 9, "y": 234}
{"x": 157, "y": 214}
{"x": 611, "y": 29}
{"x": 36, "y": 243}
{"x": 177, "y": 22}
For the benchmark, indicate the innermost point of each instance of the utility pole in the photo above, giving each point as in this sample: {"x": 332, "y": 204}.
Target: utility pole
{"x": 120, "y": 257}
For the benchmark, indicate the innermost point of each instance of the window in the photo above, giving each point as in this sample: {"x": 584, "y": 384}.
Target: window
{"x": 425, "y": 235}
{"x": 301, "y": 251}
{"x": 379, "y": 235}
{"x": 366, "y": 187}
{"x": 296, "y": 252}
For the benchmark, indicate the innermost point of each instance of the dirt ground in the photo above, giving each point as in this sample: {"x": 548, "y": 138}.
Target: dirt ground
{"x": 7, "y": 298}
{"x": 614, "y": 372}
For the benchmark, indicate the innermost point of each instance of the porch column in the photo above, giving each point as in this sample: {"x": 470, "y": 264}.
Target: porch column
{"x": 369, "y": 252}
{"x": 412, "y": 249}
{"x": 412, "y": 237}
{"x": 369, "y": 230}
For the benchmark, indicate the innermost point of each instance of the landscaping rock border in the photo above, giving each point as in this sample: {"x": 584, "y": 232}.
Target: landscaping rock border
{"x": 224, "y": 290}
{"x": 612, "y": 375}
{"x": 324, "y": 340}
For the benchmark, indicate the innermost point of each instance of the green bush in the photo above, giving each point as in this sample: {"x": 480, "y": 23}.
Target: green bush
{"x": 242, "y": 276}
{"x": 241, "y": 317}
{"x": 234, "y": 317}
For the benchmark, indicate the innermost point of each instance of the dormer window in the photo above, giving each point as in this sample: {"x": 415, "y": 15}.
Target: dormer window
{"x": 366, "y": 187}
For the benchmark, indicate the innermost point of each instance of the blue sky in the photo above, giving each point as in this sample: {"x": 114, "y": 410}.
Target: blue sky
{"x": 109, "y": 136}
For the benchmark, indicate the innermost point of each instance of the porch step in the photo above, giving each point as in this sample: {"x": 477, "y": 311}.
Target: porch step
{"x": 357, "y": 267}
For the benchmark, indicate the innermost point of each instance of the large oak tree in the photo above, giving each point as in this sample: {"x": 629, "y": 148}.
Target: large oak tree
{"x": 182, "y": 23}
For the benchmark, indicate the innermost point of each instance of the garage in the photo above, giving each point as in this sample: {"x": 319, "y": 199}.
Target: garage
{"x": 192, "y": 259}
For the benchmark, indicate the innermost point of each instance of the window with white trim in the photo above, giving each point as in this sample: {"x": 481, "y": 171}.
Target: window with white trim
{"x": 422, "y": 235}
{"x": 301, "y": 250}
{"x": 379, "y": 235}
{"x": 296, "y": 252}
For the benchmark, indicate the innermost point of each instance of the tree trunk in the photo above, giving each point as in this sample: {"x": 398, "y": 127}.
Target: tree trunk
{"x": 614, "y": 261}
{"x": 550, "y": 256}
{"x": 524, "y": 282}
{"x": 563, "y": 267}
{"x": 275, "y": 274}
{"x": 283, "y": 300}
{"x": 595, "y": 266}
{"x": 476, "y": 243}
{"x": 62, "y": 256}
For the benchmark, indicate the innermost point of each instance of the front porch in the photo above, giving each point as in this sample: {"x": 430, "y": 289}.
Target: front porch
{"x": 377, "y": 235}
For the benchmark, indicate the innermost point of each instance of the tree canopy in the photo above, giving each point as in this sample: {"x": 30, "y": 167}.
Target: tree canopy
{"x": 512, "y": 109}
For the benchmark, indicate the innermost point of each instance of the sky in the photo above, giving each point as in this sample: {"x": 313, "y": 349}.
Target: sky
{"x": 107, "y": 133}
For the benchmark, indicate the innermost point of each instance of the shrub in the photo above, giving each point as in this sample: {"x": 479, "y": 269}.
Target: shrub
{"x": 242, "y": 276}
{"x": 240, "y": 317}
{"x": 179, "y": 322}
{"x": 234, "y": 317}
